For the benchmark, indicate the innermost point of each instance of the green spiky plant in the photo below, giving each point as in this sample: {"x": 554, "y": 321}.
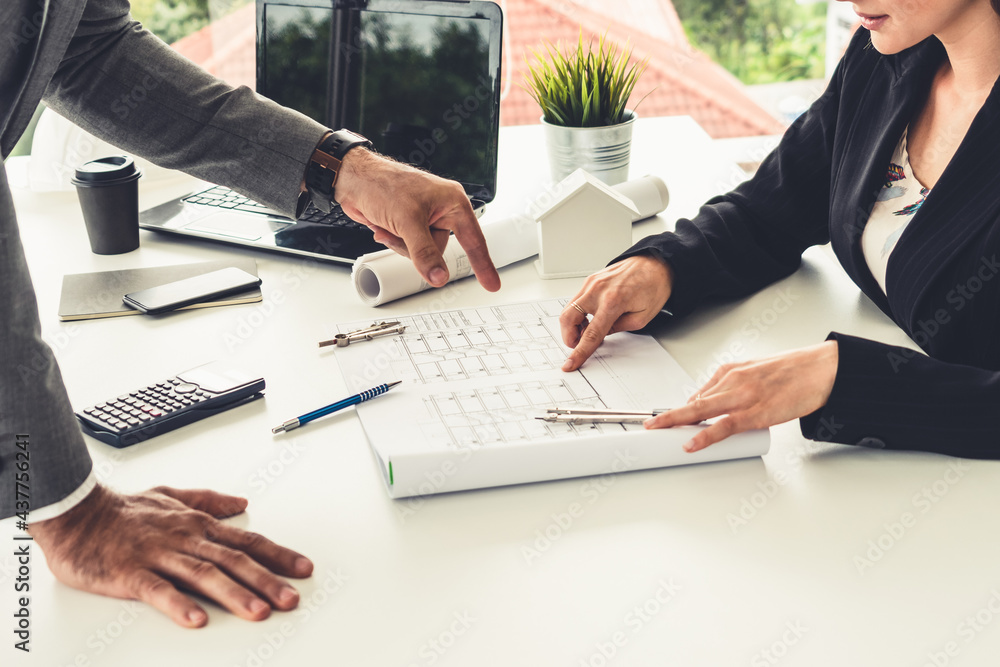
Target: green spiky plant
{"x": 583, "y": 87}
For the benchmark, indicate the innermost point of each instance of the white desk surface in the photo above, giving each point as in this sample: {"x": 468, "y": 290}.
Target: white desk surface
{"x": 652, "y": 572}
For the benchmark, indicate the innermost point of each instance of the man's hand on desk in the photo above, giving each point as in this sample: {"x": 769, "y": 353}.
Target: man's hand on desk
{"x": 413, "y": 212}
{"x": 141, "y": 546}
{"x": 622, "y": 297}
{"x": 757, "y": 394}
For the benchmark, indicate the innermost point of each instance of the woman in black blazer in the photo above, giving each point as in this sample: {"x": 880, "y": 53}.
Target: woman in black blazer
{"x": 931, "y": 75}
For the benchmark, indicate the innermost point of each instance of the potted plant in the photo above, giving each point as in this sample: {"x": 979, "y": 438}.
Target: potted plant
{"x": 583, "y": 95}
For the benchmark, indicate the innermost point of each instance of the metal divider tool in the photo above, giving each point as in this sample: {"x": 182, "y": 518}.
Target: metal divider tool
{"x": 376, "y": 330}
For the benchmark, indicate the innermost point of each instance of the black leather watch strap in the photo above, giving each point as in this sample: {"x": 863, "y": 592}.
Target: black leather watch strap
{"x": 324, "y": 168}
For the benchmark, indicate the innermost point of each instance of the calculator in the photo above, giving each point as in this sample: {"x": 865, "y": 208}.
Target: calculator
{"x": 161, "y": 407}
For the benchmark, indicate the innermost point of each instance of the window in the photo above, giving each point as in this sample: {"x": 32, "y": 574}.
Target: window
{"x": 741, "y": 68}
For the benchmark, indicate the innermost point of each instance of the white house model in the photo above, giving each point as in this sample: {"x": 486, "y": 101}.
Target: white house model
{"x": 582, "y": 226}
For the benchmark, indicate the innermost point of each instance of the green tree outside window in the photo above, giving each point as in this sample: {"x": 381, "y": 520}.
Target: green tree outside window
{"x": 759, "y": 41}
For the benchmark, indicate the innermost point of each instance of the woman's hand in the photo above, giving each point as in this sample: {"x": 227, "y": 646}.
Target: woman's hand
{"x": 757, "y": 394}
{"x": 623, "y": 297}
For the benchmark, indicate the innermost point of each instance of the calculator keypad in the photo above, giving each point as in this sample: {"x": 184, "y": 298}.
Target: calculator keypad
{"x": 142, "y": 406}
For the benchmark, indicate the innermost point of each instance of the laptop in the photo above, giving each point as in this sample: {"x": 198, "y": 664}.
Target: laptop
{"x": 420, "y": 79}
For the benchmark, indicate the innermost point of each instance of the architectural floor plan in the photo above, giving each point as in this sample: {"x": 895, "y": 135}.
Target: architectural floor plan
{"x": 474, "y": 381}
{"x": 479, "y": 377}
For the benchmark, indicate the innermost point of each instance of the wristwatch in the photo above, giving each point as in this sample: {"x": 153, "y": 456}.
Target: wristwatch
{"x": 324, "y": 167}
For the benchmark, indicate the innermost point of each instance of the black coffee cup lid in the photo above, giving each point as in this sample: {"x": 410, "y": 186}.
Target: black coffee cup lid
{"x": 110, "y": 170}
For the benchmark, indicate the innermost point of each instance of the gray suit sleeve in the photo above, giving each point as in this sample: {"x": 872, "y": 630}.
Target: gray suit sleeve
{"x": 122, "y": 84}
{"x": 33, "y": 401}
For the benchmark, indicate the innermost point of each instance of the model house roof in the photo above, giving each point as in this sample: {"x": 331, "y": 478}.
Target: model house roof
{"x": 683, "y": 81}
{"x": 578, "y": 183}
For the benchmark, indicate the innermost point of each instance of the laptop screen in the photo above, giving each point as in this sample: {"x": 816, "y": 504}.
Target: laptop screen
{"x": 419, "y": 79}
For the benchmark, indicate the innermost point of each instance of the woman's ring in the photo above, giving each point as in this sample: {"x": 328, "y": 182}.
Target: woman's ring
{"x": 577, "y": 306}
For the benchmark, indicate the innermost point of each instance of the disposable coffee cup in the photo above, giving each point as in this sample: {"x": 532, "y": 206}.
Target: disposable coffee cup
{"x": 109, "y": 196}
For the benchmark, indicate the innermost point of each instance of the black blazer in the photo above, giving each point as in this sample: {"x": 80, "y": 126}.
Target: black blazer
{"x": 819, "y": 186}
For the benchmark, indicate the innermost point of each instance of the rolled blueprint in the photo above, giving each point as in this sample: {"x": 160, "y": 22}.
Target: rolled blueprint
{"x": 649, "y": 194}
{"x": 384, "y": 276}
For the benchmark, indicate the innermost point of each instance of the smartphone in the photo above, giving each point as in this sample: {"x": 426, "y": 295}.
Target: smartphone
{"x": 191, "y": 290}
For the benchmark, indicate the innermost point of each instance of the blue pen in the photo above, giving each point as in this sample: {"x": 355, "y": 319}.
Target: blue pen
{"x": 333, "y": 407}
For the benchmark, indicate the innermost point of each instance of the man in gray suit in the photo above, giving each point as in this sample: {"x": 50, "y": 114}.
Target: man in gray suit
{"x": 81, "y": 56}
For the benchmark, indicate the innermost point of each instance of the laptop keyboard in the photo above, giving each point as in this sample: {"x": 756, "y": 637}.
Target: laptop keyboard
{"x": 222, "y": 197}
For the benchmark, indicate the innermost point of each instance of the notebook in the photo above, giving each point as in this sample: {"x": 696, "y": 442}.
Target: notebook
{"x": 88, "y": 296}
{"x": 420, "y": 79}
